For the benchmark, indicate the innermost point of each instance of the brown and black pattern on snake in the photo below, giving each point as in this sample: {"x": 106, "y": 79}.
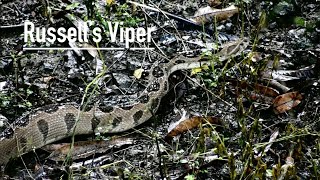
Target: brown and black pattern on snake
{"x": 137, "y": 116}
{"x": 70, "y": 120}
{"x": 44, "y": 128}
{"x": 48, "y": 125}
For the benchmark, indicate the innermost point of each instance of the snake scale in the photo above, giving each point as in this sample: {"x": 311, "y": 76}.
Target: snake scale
{"x": 45, "y": 126}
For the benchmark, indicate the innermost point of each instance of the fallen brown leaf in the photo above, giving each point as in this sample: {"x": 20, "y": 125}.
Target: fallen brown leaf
{"x": 286, "y": 102}
{"x": 208, "y": 14}
{"x": 260, "y": 98}
{"x": 265, "y": 90}
{"x": 214, "y": 3}
{"x": 191, "y": 123}
{"x": 256, "y": 88}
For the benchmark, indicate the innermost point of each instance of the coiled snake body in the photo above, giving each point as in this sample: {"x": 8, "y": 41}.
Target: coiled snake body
{"x": 46, "y": 126}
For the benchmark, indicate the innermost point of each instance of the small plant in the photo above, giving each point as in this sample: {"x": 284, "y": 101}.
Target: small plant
{"x": 190, "y": 177}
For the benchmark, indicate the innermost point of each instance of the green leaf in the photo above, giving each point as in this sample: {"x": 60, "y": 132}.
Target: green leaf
{"x": 199, "y": 69}
{"x": 72, "y": 6}
{"x": 300, "y": 21}
{"x": 189, "y": 177}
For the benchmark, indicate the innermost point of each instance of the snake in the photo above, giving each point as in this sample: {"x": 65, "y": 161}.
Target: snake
{"x": 52, "y": 123}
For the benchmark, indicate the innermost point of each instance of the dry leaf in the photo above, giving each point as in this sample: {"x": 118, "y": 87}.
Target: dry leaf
{"x": 286, "y": 102}
{"x": 289, "y": 75}
{"x": 255, "y": 92}
{"x": 110, "y": 2}
{"x": 214, "y": 3}
{"x": 257, "y": 88}
{"x": 47, "y": 79}
{"x": 255, "y": 56}
{"x": 273, "y": 137}
{"x": 75, "y": 48}
{"x": 287, "y": 168}
{"x": 234, "y": 47}
{"x": 91, "y": 49}
{"x": 190, "y": 123}
{"x": 265, "y": 90}
{"x": 260, "y": 98}
{"x": 208, "y": 14}
{"x": 3, "y": 121}
{"x": 77, "y": 22}
{"x": 138, "y": 73}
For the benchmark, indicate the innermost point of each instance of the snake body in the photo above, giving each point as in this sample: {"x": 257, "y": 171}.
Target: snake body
{"x": 48, "y": 125}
